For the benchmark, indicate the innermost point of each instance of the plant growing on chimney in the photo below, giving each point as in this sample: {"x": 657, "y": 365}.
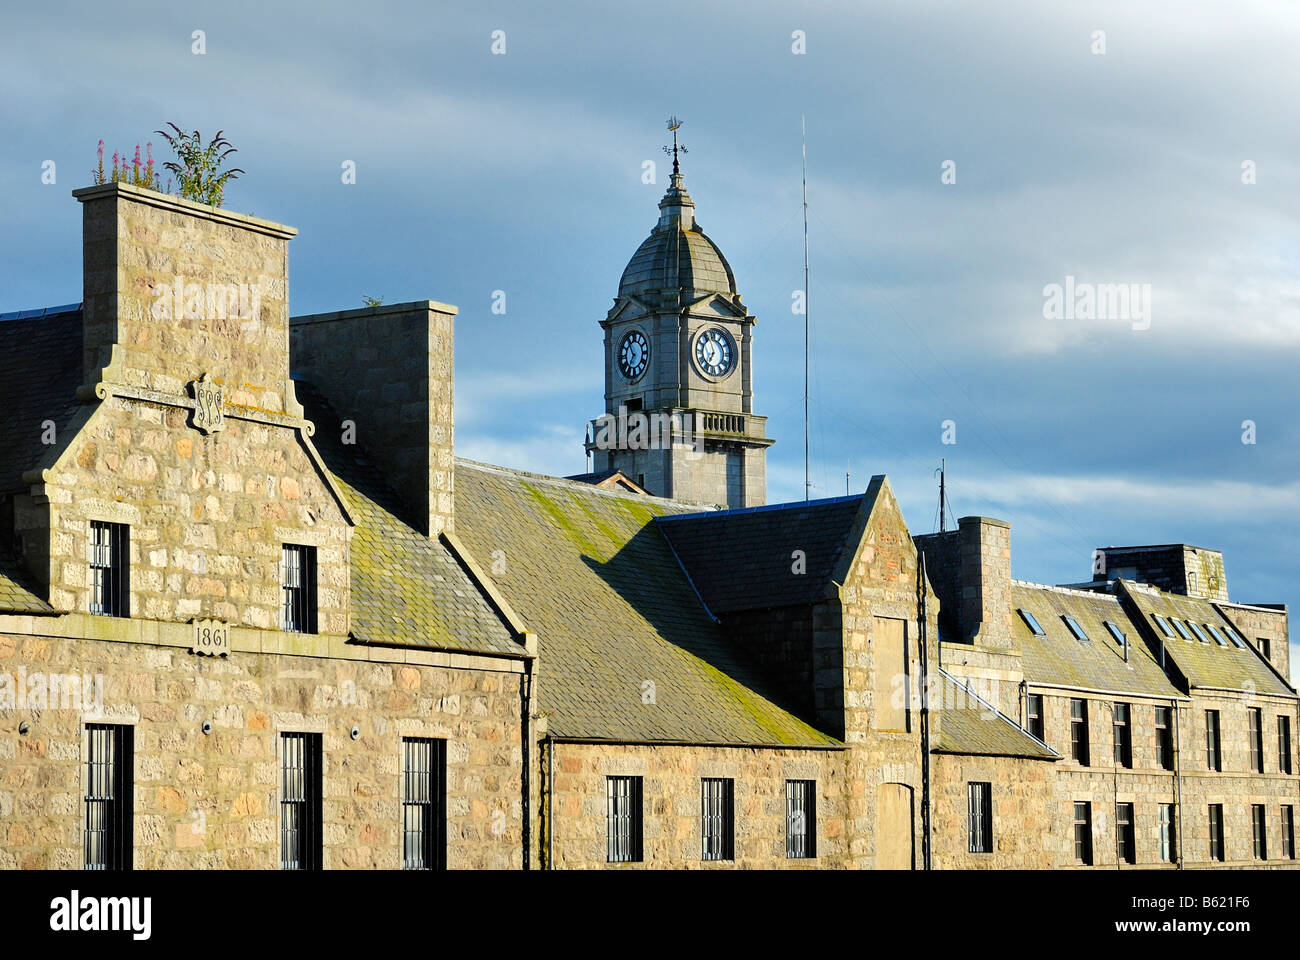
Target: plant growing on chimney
{"x": 134, "y": 172}
{"x": 199, "y": 173}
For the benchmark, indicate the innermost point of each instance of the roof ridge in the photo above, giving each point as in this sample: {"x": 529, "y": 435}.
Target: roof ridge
{"x": 766, "y": 507}
{"x": 577, "y": 484}
{"x": 1071, "y": 591}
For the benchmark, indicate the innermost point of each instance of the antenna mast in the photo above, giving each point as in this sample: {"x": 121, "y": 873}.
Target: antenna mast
{"x": 803, "y": 133}
{"x": 942, "y": 496}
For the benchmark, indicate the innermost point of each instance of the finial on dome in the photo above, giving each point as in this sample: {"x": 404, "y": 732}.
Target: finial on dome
{"x": 674, "y": 124}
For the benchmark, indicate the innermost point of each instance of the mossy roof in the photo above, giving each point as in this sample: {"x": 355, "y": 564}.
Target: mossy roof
{"x": 779, "y": 555}
{"x": 970, "y": 725}
{"x": 408, "y": 590}
{"x": 627, "y": 651}
{"x": 1204, "y": 664}
{"x": 1095, "y": 664}
{"x": 17, "y": 591}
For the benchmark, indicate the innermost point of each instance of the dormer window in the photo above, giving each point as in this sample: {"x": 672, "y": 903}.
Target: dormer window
{"x": 110, "y": 565}
{"x": 298, "y": 590}
{"x": 1032, "y": 623}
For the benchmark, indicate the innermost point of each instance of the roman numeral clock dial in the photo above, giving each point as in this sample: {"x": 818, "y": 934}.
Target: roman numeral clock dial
{"x": 714, "y": 352}
{"x": 633, "y": 354}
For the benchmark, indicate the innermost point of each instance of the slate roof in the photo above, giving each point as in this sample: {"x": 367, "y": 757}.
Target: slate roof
{"x": 971, "y": 725}
{"x": 743, "y": 559}
{"x": 17, "y": 591}
{"x": 40, "y": 369}
{"x": 407, "y": 589}
{"x": 1095, "y": 664}
{"x": 1204, "y": 664}
{"x": 594, "y": 578}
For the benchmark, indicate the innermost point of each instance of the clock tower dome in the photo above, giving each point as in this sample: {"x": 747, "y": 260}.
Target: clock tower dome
{"x": 679, "y": 417}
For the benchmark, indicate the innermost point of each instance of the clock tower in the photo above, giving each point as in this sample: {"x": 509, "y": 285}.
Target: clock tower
{"x": 679, "y": 417}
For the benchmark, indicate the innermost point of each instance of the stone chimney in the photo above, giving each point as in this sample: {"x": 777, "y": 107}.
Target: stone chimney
{"x": 389, "y": 370}
{"x": 985, "y": 581}
{"x": 175, "y": 290}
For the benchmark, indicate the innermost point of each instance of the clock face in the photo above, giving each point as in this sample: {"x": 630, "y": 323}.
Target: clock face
{"x": 633, "y": 354}
{"x": 714, "y": 352}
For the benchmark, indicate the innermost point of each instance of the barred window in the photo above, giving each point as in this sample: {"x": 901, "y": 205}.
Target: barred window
{"x": 1216, "y": 831}
{"x": 800, "y": 819}
{"x": 1288, "y": 832}
{"x": 623, "y": 819}
{"x": 1284, "y": 744}
{"x": 300, "y": 801}
{"x": 717, "y": 819}
{"x": 1034, "y": 715}
{"x": 1167, "y": 834}
{"x": 979, "y": 814}
{"x": 1256, "y": 717}
{"x": 1125, "y": 846}
{"x": 1213, "y": 756}
{"x": 1259, "y": 830}
{"x": 110, "y": 565}
{"x": 299, "y": 588}
{"x": 1164, "y": 738}
{"x": 1079, "y": 731}
{"x": 110, "y": 777}
{"x": 1083, "y": 832}
{"x": 424, "y": 804}
{"x": 1123, "y": 736}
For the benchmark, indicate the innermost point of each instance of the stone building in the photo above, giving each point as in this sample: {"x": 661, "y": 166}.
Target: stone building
{"x": 255, "y": 613}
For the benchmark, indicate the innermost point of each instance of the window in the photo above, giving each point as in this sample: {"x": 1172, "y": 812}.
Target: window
{"x": 717, "y": 820}
{"x": 1216, "y": 831}
{"x": 1218, "y": 637}
{"x": 1032, "y": 623}
{"x": 110, "y": 778}
{"x": 1115, "y": 631}
{"x": 1075, "y": 629}
{"x": 623, "y": 819}
{"x": 1265, "y": 647}
{"x": 800, "y": 819}
{"x": 1123, "y": 735}
{"x": 299, "y": 592}
{"x": 1164, "y": 738}
{"x": 110, "y": 565}
{"x": 1034, "y": 715}
{"x": 1164, "y": 625}
{"x": 1083, "y": 833}
{"x": 300, "y": 801}
{"x": 1284, "y": 744}
{"x": 1235, "y": 637}
{"x": 1199, "y": 634}
{"x": 893, "y": 685}
{"x": 1125, "y": 848}
{"x": 1079, "y": 731}
{"x": 1213, "y": 756}
{"x": 1182, "y": 630}
{"x": 1256, "y": 717}
{"x": 979, "y": 815}
{"x": 1259, "y": 831}
{"x": 1167, "y": 838}
{"x": 424, "y": 804}
{"x": 1288, "y": 832}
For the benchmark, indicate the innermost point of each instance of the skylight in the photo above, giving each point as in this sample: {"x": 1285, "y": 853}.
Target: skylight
{"x": 1182, "y": 631}
{"x": 1115, "y": 631}
{"x": 1164, "y": 625}
{"x": 1236, "y": 640}
{"x": 1075, "y": 629}
{"x": 1200, "y": 634}
{"x": 1033, "y": 624}
{"x": 1218, "y": 637}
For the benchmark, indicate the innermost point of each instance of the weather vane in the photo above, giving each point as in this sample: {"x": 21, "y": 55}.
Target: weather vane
{"x": 673, "y": 125}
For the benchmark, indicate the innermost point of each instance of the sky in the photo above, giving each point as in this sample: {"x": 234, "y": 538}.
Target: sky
{"x": 1152, "y": 145}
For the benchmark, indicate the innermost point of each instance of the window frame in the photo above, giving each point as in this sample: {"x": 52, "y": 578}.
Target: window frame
{"x": 979, "y": 816}
{"x": 424, "y": 803}
{"x": 1116, "y": 633}
{"x": 801, "y": 800}
{"x": 1284, "y": 764}
{"x": 1076, "y": 628}
{"x": 1200, "y": 634}
{"x": 1213, "y": 742}
{"x": 1217, "y": 839}
{"x": 1255, "y": 738}
{"x": 1083, "y": 832}
{"x": 624, "y": 806}
{"x": 1218, "y": 637}
{"x": 1286, "y": 814}
{"x": 1122, "y": 734}
{"x": 1259, "y": 831}
{"x": 1035, "y": 718}
{"x": 1125, "y": 834}
{"x": 109, "y": 568}
{"x": 1164, "y": 626}
{"x": 1164, "y": 719}
{"x": 298, "y": 602}
{"x": 1031, "y": 622}
{"x": 300, "y": 792}
{"x": 1080, "y": 748}
{"x": 717, "y": 818}
{"x": 1167, "y": 832}
{"x": 108, "y": 798}
{"x": 1182, "y": 629}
